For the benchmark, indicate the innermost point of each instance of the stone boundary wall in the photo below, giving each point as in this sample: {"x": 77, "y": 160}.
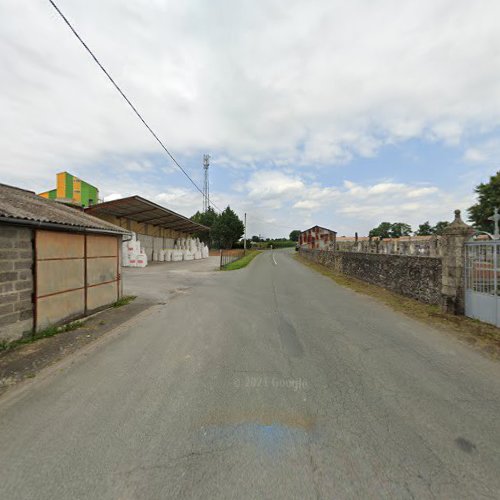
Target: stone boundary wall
{"x": 16, "y": 281}
{"x": 412, "y": 276}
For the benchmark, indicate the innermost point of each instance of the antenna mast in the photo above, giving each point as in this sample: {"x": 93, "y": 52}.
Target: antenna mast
{"x": 206, "y": 185}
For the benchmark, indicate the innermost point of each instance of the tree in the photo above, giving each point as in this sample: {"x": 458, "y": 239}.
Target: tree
{"x": 227, "y": 229}
{"x": 399, "y": 229}
{"x": 255, "y": 239}
{"x": 488, "y": 199}
{"x": 425, "y": 229}
{"x": 383, "y": 230}
{"x": 208, "y": 219}
{"x": 440, "y": 227}
{"x": 390, "y": 230}
{"x": 294, "y": 235}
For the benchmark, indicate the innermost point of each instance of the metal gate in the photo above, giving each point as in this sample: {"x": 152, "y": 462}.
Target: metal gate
{"x": 482, "y": 281}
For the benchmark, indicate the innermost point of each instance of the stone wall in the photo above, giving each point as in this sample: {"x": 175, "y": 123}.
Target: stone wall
{"x": 415, "y": 277}
{"x": 16, "y": 281}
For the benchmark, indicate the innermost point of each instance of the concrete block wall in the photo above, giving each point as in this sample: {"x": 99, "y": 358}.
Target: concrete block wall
{"x": 16, "y": 282}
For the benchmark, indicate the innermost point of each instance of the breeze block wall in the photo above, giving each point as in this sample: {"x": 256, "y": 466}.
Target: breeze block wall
{"x": 415, "y": 277}
{"x": 16, "y": 282}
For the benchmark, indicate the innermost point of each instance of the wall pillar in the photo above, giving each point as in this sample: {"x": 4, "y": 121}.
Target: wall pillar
{"x": 453, "y": 257}
{"x": 433, "y": 246}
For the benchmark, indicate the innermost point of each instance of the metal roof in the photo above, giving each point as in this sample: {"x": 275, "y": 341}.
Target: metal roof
{"x": 19, "y": 206}
{"x": 141, "y": 210}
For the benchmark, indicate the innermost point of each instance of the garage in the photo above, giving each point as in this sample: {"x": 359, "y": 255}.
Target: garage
{"x": 57, "y": 263}
{"x": 75, "y": 273}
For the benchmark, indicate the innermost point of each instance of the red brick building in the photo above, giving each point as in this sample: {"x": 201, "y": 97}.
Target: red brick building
{"x": 317, "y": 238}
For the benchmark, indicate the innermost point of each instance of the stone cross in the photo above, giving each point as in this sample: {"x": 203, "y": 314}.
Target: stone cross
{"x": 496, "y": 219}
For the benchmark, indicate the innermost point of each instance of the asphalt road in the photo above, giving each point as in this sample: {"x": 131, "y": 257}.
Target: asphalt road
{"x": 269, "y": 382}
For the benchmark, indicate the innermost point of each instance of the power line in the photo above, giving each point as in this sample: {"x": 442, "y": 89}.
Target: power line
{"x": 134, "y": 109}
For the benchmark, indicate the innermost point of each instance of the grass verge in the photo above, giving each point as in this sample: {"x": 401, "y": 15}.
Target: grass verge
{"x": 124, "y": 301}
{"x": 54, "y": 330}
{"x": 481, "y": 335}
{"x": 42, "y": 334}
{"x": 243, "y": 262}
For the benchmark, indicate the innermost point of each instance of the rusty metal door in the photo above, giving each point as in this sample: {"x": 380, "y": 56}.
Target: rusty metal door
{"x": 102, "y": 271}
{"x": 74, "y": 274}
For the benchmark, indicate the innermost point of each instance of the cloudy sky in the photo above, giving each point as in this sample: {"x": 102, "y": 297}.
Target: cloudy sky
{"x": 338, "y": 113}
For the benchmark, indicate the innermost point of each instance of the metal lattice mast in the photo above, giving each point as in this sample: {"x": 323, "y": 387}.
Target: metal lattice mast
{"x": 206, "y": 184}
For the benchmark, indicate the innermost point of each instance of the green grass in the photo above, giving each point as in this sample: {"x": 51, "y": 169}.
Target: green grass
{"x": 243, "y": 262}
{"x": 124, "y": 301}
{"x": 42, "y": 334}
{"x": 54, "y": 330}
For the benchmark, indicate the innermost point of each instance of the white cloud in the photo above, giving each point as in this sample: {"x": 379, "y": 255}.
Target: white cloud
{"x": 420, "y": 192}
{"x": 266, "y": 185}
{"x": 113, "y": 196}
{"x": 350, "y": 207}
{"x": 308, "y": 204}
{"x": 293, "y": 81}
{"x": 484, "y": 152}
{"x": 284, "y": 84}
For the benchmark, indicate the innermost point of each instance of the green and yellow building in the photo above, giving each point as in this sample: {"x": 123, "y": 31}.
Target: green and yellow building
{"x": 71, "y": 189}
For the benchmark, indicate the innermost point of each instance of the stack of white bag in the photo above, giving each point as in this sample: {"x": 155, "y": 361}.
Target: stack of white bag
{"x": 184, "y": 249}
{"x": 132, "y": 254}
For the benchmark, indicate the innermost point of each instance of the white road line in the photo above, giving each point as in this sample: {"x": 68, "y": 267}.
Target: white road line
{"x": 274, "y": 260}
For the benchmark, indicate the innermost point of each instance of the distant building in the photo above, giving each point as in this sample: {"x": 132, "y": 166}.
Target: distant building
{"x": 317, "y": 238}
{"x": 72, "y": 190}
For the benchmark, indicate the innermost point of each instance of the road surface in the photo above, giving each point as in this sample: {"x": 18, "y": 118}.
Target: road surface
{"x": 269, "y": 382}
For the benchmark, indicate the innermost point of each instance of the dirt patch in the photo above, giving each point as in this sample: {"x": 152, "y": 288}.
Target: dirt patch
{"x": 482, "y": 336}
{"x": 26, "y": 360}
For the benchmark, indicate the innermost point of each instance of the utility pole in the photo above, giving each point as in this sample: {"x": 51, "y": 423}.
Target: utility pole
{"x": 245, "y": 240}
{"x": 206, "y": 185}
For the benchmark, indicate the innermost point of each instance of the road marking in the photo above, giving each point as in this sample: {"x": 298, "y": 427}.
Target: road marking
{"x": 274, "y": 260}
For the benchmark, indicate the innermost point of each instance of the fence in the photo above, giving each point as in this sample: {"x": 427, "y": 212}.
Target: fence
{"x": 228, "y": 256}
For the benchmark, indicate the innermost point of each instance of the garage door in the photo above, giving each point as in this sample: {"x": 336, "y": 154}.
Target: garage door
{"x": 75, "y": 274}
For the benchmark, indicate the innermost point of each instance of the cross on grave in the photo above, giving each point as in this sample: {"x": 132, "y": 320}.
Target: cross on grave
{"x": 496, "y": 219}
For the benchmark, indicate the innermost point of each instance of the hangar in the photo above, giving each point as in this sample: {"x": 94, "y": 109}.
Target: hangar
{"x": 156, "y": 227}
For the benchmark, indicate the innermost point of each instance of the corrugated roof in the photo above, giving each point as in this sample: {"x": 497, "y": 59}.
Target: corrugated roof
{"x": 141, "y": 210}
{"x": 17, "y": 205}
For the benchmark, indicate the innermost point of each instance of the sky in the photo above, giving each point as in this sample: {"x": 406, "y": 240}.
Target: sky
{"x": 338, "y": 113}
